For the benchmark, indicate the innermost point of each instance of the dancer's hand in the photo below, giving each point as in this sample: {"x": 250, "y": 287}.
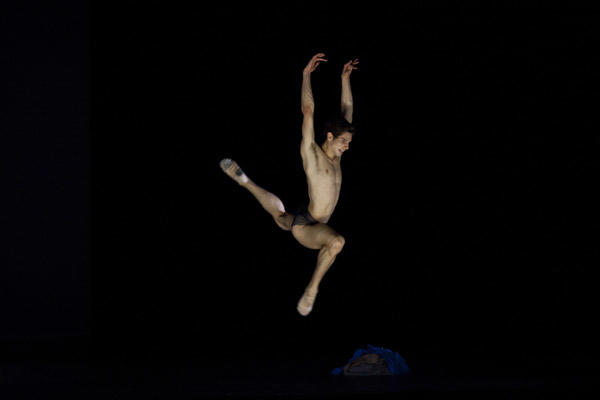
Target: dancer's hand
{"x": 349, "y": 67}
{"x": 314, "y": 63}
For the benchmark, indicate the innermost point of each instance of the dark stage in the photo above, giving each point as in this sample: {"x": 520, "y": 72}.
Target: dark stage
{"x": 468, "y": 205}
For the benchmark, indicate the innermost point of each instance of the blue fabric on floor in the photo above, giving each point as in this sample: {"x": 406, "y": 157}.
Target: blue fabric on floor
{"x": 395, "y": 362}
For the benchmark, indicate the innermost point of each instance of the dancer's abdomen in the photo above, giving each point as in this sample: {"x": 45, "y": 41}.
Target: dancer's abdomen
{"x": 324, "y": 192}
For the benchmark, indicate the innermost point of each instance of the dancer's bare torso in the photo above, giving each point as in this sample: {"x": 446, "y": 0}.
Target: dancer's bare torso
{"x": 324, "y": 178}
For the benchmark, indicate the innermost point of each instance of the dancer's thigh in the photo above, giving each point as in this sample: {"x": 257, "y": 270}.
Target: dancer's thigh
{"x": 314, "y": 236}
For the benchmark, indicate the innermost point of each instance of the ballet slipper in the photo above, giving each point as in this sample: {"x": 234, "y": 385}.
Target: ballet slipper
{"x": 305, "y": 304}
{"x": 234, "y": 171}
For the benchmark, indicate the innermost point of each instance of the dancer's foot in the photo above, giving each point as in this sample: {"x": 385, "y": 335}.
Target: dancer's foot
{"x": 232, "y": 169}
{"x": 306, "y": 302}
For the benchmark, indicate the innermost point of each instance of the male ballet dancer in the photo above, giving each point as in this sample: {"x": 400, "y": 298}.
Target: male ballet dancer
{"x": 324, "y": 177}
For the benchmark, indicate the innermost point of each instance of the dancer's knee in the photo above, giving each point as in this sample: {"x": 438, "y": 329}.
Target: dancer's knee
{"x": 337, "y": 244}
{"x": 284, "y": 221}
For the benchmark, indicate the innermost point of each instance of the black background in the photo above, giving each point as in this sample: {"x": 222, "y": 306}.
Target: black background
{"x": 468, "y": 203}
{"x": 45, "y": 157}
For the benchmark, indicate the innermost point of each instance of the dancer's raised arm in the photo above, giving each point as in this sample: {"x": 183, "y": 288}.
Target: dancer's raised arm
{"x": 347, "y": 102}
{"x": 308, "y": 103}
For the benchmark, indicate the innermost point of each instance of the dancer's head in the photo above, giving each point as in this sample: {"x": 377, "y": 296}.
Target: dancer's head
{"x": 338, "y": 135}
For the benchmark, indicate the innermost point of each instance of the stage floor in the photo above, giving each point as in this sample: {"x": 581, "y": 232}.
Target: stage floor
{"x": 173, "y": 379}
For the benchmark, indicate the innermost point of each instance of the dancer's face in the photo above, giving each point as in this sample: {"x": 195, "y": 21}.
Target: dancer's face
{"x": 339, "y": 144}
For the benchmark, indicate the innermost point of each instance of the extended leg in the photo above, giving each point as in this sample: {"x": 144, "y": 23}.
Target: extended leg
{"x": 330, "y": 244}
{"x": 271, "y": 203}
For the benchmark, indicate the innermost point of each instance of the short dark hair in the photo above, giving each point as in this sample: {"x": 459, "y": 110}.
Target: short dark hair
{"x": 338, "y": 125}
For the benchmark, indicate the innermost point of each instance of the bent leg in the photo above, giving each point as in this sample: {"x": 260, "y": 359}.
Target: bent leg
{"x": 271, "y": 203}
{"x": 330, "y": 244}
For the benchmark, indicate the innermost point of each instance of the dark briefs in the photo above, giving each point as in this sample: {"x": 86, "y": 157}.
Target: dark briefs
{"x": 304, "y": 218}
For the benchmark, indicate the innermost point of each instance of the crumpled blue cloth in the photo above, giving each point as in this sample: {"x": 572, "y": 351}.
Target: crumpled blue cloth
{"x": 394, "y": 361}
